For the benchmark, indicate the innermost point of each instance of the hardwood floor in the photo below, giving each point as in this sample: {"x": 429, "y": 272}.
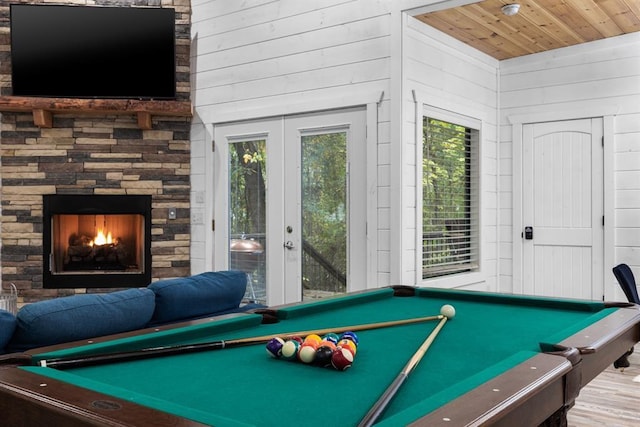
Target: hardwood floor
{"x": 612, "y": 399}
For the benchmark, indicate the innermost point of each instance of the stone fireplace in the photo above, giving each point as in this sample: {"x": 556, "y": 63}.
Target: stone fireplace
{"x": 90, "y": 148}
{"x": 87, "y": 158}
{"x": 96, "y": 241}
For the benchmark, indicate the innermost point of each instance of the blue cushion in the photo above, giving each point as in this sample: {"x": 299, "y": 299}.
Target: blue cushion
{"x": 7, "y": 326}
{"x": 81, "y": 316}
{"x": 199, "y": 295}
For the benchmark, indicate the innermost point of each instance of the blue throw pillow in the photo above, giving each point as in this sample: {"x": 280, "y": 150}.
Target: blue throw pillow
{"x": 7, "y": 326}
{"x": 199, "y": 295}
{"x": 81, "y": 316}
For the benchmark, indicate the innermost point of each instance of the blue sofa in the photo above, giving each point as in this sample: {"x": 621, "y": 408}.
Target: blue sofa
{"x": 85, "y": 316}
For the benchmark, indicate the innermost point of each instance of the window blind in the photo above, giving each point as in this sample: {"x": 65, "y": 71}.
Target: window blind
{"x": 450, "y": 198}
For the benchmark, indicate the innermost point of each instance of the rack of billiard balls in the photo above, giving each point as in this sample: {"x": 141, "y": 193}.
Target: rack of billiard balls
{"x": 331, "y": 350}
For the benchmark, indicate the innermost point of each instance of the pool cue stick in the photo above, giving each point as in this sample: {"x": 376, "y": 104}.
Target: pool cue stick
{"x": 383, "y": 401}
{"x": 103, "y": 358}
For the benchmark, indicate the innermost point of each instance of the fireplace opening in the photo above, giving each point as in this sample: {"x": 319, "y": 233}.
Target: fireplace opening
{"x": 96, "y": 241}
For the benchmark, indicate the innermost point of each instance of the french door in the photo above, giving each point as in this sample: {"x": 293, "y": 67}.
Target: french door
{"x": 289, "y": 204}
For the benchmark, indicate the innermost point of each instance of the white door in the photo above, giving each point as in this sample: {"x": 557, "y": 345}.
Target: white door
{"x": 563, "y": 209}
{"x": 289, "y": 204}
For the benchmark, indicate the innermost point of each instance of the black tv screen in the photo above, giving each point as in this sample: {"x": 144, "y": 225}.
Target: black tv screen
{"x": 93, "y": 52}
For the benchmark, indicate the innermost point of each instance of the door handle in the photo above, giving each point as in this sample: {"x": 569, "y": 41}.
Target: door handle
{"x": 289, "y": 244}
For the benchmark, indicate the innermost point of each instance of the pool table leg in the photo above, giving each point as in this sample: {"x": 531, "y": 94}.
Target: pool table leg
{"x": 558, "y": 419}
{"x": 623, "y": 361}
{"x": 572, "y": 384}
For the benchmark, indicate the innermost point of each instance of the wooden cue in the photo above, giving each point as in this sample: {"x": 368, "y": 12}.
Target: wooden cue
{"x": 103, "y": 358}
{"x": 383, "y": 401}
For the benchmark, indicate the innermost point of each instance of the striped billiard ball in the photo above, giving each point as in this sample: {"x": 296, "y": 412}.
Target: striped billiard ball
{"x": 274, "y": 347}
{"x": 290, "y": 350}
{"x": 341, "y": 359}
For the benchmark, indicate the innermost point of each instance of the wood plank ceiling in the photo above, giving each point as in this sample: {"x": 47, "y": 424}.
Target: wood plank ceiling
{"x": 539, "y": 26}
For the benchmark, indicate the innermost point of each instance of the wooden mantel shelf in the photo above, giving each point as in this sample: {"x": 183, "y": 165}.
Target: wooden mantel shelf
{"x": 44, "y": 108}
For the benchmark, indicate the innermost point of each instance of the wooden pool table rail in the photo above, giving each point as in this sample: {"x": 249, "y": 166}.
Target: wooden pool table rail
{"x": 45, "y": 401}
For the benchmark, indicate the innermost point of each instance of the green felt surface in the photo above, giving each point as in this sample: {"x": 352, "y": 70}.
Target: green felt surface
{"x": 244, "y": 386}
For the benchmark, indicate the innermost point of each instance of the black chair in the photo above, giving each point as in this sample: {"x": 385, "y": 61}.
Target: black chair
{"x": 627, "y": 282}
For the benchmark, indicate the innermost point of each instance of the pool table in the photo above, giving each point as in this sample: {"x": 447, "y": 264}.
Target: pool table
{"x": 502, "y": 360}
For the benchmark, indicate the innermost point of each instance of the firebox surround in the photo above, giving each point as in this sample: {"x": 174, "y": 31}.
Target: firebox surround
{"x": 79, "y": 250}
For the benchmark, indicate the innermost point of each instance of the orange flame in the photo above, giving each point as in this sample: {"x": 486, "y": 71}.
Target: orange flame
{"x": 101, "y": 239}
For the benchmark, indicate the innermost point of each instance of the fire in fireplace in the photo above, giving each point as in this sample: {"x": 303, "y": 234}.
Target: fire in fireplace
{"x": 96, "y": 241}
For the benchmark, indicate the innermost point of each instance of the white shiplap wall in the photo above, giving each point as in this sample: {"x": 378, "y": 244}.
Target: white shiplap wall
{"x": 262, "y": 58}
{"x": 444, "y": 73}
{"x": 591, "y": 80}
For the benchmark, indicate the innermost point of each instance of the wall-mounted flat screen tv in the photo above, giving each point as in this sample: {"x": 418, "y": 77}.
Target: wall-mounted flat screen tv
{"x": 93, "y": 52}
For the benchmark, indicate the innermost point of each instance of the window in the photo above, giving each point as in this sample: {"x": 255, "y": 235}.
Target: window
{"x": 450, "y": 214}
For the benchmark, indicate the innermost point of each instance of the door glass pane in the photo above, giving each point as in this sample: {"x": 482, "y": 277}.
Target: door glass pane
{"x": 247, "y": 216}
{"x": 324, "y": 215}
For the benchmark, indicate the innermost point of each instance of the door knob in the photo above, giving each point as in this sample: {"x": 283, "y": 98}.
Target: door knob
{"x": 289, "y": 244}
{"x": 528, "y": 233}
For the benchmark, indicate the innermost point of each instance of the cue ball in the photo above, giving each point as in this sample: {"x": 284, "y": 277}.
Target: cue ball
{"x": 448, "y": 311}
